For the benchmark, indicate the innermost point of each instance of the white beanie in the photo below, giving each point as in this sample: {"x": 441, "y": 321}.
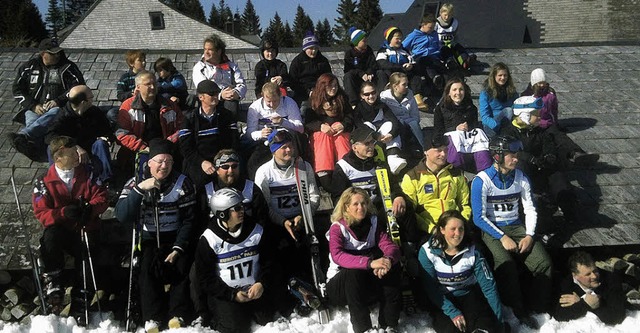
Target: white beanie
{"x": 538, "y": 75}
{"x": 523, "y": 106}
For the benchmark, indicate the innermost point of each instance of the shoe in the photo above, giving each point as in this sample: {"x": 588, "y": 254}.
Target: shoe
{"x": 24, "y": 146}
{"x": 580, "y": 158}
{"x": 421, "y": 104}
{"x": 396, "y": 163}
{"x": 176, "y": 322}
{"x": 151, "y": 326}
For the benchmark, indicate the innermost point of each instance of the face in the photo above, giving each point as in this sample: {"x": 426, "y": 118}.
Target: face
{"x": 285, "y": 154}
{"x": 236, "y": 217}
{"x": 453, "y": 232}
{"x": 147, "y": 88}
{"x": 228, "y": 172}
{"x": 160, "y": 166}
{"x": 510, "y": 161}
{"x": 67, "y": 158}
{"x": 357, "y": 208}
{"x": 502, "y": 77}
{"x": 534, "y": 119}
{"x": 588, "y": 276}
{"x": 456, "y": 93}
{"x": 369, "y": 95}
{"x": 445, "y": 16}
{"x": 85, "y": 105}
{"x": 271, "y": 101}
{"x": 362, "y": 44}
{"x": 163, "y": 74}
{"x": 365, "y": 149}
{"x": 269, "y": 54}
{"x": 139, "y": 64}
{"x": 396, "y": 40}
{"x": 427, "y": 27}
{"x": 437, "y": 156}
{"x": 208, "y": 100}
{"x": 210, "y": 54}
{"x": 402, "y": 87}
{"x": 312, "y": 51}
{"x": 50, "y": 59}
{"x": 332, "y": 88}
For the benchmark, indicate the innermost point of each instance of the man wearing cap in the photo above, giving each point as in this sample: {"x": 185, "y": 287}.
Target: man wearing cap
{"x": 306, "y": 67}
{"x": 359, "y": 65}
{"x": 206, "y": 130}
{"x": 173, "y": 194}
{"x": 215, "y": 66}
{"x": 496, "y": 195}
{"x": 143, "y": 117}
{"x": 41, "y": 86}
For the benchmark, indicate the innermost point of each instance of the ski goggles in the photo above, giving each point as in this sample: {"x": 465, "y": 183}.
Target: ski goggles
{"x": 536, "y": 105}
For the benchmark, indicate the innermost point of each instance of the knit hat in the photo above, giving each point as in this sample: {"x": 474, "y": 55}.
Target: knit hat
{"x": 523, "y": 106}
{"x": 310, "y": 40}
{"x": 277, "y": 139}
{"x": 388, "y": 34}
{"x": 159, "y": 146}
{"x": 538, "y": 75}
{"x": 208, "y": 87}
{"x": 356, "y": 35}
{"x": 362, "y": 134}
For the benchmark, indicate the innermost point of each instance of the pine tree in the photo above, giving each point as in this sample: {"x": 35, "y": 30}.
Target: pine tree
{"x": 251, "y": 20}
{"x": 191, "y": 8}
{"x": 369, "y": 14}
{"x": 347, "y": 11}
{"x": 214, "y": 17}
{"x": 324, "y": 33}
{"x": 276, "y": 30}
{"x": 20, "y": 23}
{"x": 287, "y": 41}
{"x": 226, "y": 15}
{"x": 54, "y": 17}
{"x": 238, "y": 30}
{"x": 75, "y": 9}
{"x": 301, "y": 25}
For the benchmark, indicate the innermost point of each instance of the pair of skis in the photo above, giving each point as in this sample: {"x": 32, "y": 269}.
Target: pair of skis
{"x": 319, "y": 280}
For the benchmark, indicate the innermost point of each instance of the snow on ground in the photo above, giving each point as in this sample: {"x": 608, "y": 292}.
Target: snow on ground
{"x": 419, "y": 323}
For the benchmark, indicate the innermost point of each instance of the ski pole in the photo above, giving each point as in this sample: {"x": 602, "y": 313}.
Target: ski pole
{"x": 93, "y": 272}
{"x": 84, "y": 282}
{"x": 156, "y": 214}
{"x": 32, "y": 258}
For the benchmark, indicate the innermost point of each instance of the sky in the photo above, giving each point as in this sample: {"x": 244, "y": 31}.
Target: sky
{"x": 266, "y": 9}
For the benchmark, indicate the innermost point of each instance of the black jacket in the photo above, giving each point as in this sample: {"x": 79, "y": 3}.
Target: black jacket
{"x": 266, "y": 69}
{"x": 86, "y": 129}
{"x": 365, "y": 112}
{"x": 304, "y": 72}
{"x": 447, "y": 118}
{"x": 366, "y": 63}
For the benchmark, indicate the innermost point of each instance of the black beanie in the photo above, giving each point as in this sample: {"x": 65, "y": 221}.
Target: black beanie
{"x": 160, "y": 146}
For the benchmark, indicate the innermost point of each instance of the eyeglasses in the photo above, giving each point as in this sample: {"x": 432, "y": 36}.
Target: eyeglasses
{"x": 367, "y": 94}
{"x": 229, "y": 166}
{"x": 237, "y": 208}
{"x": 165, "y": 161}
{"x": 369, "y": 142}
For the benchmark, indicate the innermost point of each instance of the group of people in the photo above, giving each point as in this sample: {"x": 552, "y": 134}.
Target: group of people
{"x": 219, "y": 213}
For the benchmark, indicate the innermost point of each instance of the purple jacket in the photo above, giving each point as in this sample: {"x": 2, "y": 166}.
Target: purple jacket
{"x": 549, "y": 112}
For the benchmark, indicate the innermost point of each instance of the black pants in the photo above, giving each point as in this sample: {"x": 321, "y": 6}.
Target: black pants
{"x": 57, "y": 240}
{"x": 565, "y": 145}
{"x": 360, "y": 288}
{"x": 232, "y": 317}
{"x": 476, "y": 311}
{"x": 156, "y": 304}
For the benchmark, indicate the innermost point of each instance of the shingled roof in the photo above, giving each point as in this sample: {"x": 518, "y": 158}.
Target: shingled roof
{"x": 116, "y": 24}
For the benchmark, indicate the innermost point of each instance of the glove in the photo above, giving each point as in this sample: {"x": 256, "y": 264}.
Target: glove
{"x": 72, "y": 212}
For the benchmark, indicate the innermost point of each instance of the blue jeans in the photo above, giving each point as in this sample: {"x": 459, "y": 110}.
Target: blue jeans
{"x": 36, "y": 127}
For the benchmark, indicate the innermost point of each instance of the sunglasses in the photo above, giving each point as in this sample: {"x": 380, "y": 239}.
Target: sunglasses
{"x": 229, "y": 166}
{"x": 237, "y": 208}
{"x": 367, "y": 94}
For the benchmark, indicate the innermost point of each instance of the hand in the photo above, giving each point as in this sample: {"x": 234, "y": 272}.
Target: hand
{"x": 172, "y": 257}
{"x": 399, "y": 206}
{"x": 326, "y": 129}
{"x": 292, "y": 226}
{"x": 381, "y": 267}
{"x": 255, "y": 291}
{"x": 276, "y": 119}
{"x": 463, "y": 127}
{"x": 83, "y": 156}
{"x": 207, "y": 167}
{"x": 149, "y": 183}
{"x": 175, "y": 99}
{"x": 277, "y": 80}
{"x": 50, "y": 104}
{"x": 592, "y": 300}
{"x": 508, "y": 243}
{"x": 228, "y": 94}
{"x": 460, "y": 323}
{"x": 265, "y": 132}
{"x": 72, "y": 211}
{"x": 369, "y": 77}
{"x": 567, "y": 300}
{"x": 525, "y": 244}
{"x": 242, "y": 297}
{"x": 337, "y": 128}
{"x": 385, "y": 138}
{"x": 380, "y": 272}
{"x": 365, "y": 77}
{"x": 39, "y": 110}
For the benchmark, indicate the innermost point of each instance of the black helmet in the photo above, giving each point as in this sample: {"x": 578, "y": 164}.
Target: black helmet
{"x": 268, "y": 43}
{"x": 224, "y": 199}
{"x": 504, "y": 144}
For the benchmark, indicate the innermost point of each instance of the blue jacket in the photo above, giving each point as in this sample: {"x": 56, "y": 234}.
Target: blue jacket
{"x": 174, "y": 85}
{"x": 421, "y": 44}
{"x": 490, "y": 109}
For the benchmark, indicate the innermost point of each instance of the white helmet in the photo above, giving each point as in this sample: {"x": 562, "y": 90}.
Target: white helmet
{"x": 224, "y": 199}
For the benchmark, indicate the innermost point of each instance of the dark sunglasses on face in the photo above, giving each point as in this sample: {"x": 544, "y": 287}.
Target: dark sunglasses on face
{"x": 367, "y": 94}
{"x": 229, "y": 166}
{"x": 237, "y": 208}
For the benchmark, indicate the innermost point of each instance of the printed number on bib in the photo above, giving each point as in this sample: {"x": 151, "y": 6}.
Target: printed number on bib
{"x": 288, "y": 202}
{"x": 244, "y": 269}
{"x": 503, "y": 207}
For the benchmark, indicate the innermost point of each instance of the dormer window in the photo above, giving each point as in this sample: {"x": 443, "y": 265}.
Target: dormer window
{"x": 157, "y": 20}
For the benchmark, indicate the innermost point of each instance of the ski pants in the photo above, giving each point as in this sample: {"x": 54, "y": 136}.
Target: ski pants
{"x": 232, "y": 317}
{"x": 359, "y": 288}
{"x": 57, "y": 240}
{"x": 328, "y": 149}
{"x": 477, "y": 313}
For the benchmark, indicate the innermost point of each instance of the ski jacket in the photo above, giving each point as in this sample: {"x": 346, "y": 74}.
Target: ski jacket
{"x": 258, "y": 116}
{"x": 126, "y": 85}
{"x": 355, "y": 247}
{"x": 361, "y": 62}
{"x": 405, "y": 110}
{"x": 447, "y": 117}
{"x": 549, "y": 110}
{"x": 33, "y": 85}
{"x": 176, "y": 207}
{"x": 226, "y": 74}
{"x": 537, "y": 144}
{"x": 446, "y": 278}
{"x": 433, "y": 194}
{"x": 50, "y": 196}
{"x": 495, "y": 200}
{"x": 305, "y": 71}
{"x": 131, "y": 122}
{"x": 376, "y": 115}
{"x": 391, "y": 59}
{"x": 280, "y": 190}
{"x": 490, "y": 109}
{"x": 174, "y": 86}
{"x": 85, "y": 129}
{"x": 422, "y": 44}
{"x": 266, "y": 69}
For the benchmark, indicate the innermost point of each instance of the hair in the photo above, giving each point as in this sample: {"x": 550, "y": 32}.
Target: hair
{"x": 339, "y": 212}
{"x": 446, "y": 8}
{"x": 438, "y": 241}
{"x": 57, "y": 143}
{"x": 271, "y": 89}
{"x": 395, "y": 79}
{"x": 217, "y": 42}
{"x": 320, "y": 96}
{"x": 143, "y": 75}
{"x": 132, "y": 55}
{"x": 367, "y": 84}
{"x": 579, "y": 258}
{"x": 78, "y": 98}
{"x": 166, "y": 64}
{"x": 428, "y": 18}
{"x": 447, "y": 89}
{"x": 492, "y": 87}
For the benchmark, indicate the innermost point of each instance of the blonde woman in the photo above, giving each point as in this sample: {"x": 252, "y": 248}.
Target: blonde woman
{"x": 364, "y": 263}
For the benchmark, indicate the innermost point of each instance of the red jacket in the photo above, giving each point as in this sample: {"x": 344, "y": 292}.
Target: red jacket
{"x": 131, "y": 122}
{"x": 50, "y": 196}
